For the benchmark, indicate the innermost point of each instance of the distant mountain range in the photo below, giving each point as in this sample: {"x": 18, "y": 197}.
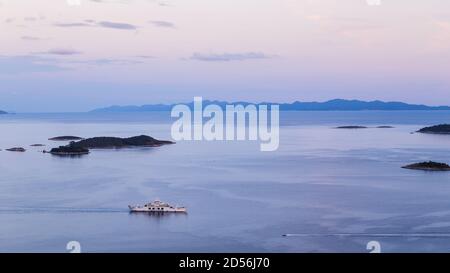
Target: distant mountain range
{"x": 331, "y": 105}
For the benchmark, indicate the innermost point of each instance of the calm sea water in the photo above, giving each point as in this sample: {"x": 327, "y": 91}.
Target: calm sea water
{"x": 333, "y": 190}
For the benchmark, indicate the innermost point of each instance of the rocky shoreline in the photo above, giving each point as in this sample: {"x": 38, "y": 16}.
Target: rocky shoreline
{"x": 68, "y": 150}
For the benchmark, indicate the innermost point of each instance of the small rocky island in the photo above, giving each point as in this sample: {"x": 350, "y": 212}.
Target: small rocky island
{"x": 69, "y": 150}
{"x": 65, "y": 138}
{"x": 351, "y": 127}
{"x": 37, "y": 145}
{"x": 362, "y": 127}
{"x": 16, "y": 149}
{"x": 82, "y": 147}
{"x": 443, "y": 129}
{"x": 117, "y": 142}
{"x": 428, "y": 166}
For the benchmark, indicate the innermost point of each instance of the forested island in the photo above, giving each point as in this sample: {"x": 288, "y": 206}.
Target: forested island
{"x": 117, "y": 142}
{"x": 82, "y": 147}
{"x": 437, "y": 129}
{"x": 69, "y": 150}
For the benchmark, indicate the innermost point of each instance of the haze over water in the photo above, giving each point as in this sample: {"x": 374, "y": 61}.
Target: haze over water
{"x": 335, "y": 189}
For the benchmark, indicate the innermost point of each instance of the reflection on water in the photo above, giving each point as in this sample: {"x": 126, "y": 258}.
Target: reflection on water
{"x": 332, "y": 190}
{"x": 157, "y": 215}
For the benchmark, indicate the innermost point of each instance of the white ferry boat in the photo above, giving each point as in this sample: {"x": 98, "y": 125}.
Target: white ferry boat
{"x": 156, "y": 206}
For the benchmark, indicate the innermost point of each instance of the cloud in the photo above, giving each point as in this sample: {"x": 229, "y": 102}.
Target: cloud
{"x": 227, "y": 57}
{"x": 30, "y": 38}
{"x": 111, "y": 1}
{"x": 27, "y": 64}
{"x": 144, "y": 56}
{"x": 30, "y": 19}
{"x": 315, "y": 17}
{"x": 107, "y": 24}
{"x": 72, "y": 25}
{"x": 106, "y": 62}
{"x": 164, "y": 4}
{"x": 132, "y": 60}
{"x": 92, "y": 23}
{"x": 36, "y": 63}
{"x": 164, "y": 24}
{"x": 343, "y": 24}
{"x": 62, "y": 51}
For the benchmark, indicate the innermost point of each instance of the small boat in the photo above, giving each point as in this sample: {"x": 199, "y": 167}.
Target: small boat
{"x": 156, "y": 206}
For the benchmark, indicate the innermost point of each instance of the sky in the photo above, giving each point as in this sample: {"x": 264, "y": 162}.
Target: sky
{"x": 77, "y": 55}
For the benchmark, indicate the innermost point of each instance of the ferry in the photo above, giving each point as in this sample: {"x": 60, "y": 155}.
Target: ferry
{"x": 156, "y": 206}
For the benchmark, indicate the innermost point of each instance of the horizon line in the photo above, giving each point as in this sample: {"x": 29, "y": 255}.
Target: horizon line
{"x": 241, "y": 101}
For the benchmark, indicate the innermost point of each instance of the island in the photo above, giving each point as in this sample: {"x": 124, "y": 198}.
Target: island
{"x": 3, "y": 112}
{"x": 351, "y": 127}
{"x": 82, "y": 147}
{"x": 37, "y": 145}
{"x": 65, "y": 138}
{"x": 443, "y": 129}
{"x": 16, "y": 149}
{"x": 117, "y": 142}
{"x": 331, "y": 105}
{"x": 69, "y": 150}
{"x": 385, "y": 127}
{"x": 428, "y": 166}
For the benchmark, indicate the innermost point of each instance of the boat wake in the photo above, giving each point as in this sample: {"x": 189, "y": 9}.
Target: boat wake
{"x": 372, "y": 235}
{"x": 25, "y": 210}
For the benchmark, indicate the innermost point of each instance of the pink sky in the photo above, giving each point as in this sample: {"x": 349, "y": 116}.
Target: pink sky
{"x": 138, "y": 52}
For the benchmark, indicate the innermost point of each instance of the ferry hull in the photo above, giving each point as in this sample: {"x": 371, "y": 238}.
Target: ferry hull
{"x": 157, "y": 210}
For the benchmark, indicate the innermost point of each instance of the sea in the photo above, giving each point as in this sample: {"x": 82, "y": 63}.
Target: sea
{"x": 323, "y": 190}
